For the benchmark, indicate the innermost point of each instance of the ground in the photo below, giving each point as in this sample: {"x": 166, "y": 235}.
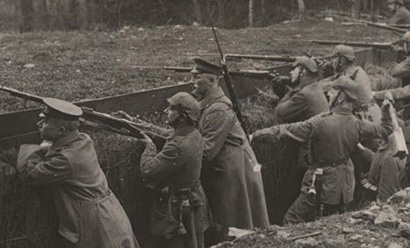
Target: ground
{"x": 83, "y": 65}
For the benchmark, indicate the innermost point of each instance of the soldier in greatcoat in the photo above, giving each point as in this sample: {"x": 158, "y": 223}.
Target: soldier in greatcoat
{"x": 89, "y": 214}
{"x": 332, "y": 137}
{"x": 231, "y": 175}
{"x": 180, "y": 214}
{"x": 401, "y": 15}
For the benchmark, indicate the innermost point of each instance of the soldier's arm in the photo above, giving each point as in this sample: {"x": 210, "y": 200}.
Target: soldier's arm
{"x": 37, "y": 169}
{"x": 157, "y": 167}
{"x": 401, "y": 69}
{"x": 369, "y": 129}
{"x": 289, "y": 109}
{"x": 299, "y": 131}
{"x": 216, "y": 127}
{"x": 395, "y": 19}
{"x": 397, "y": 93}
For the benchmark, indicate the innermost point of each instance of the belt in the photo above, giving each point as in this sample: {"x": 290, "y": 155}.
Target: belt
{"x": 323, "y": 163}
{"x": 102, "y": 198}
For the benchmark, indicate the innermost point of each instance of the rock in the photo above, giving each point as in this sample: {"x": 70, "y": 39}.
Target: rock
{"x": 387, "y": 219}
{"x": 29, "y": 66}
{"x": 347, "y": 230}
{"x": 408, "y": 205}
{"x": 401, "y": 196}
{"x": 374, "y": 207}
{"x": 356, "y": 237}
{"x": 395, "y": 245}
{"x": 306, "y": 243}
{"x": 283, "y": 233}
{"x": 237, "y": 233}
{"x": 195, "y": 24}
{"x": 364, "y": 215}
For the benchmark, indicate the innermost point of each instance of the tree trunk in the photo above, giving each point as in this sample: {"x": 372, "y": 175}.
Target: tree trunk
{"x": 198, "y": 13}
{"x": 73, "y": 22}
{"x": 27, "y": 13}
{"x": 263, "y": 10}
{"x": 301, "y": 9}
{"x": 43, "y": 14}
{"x": 251, "y": 13}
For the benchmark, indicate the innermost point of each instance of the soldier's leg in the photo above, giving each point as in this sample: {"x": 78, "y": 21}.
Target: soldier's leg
{"x": 302, "y": 210}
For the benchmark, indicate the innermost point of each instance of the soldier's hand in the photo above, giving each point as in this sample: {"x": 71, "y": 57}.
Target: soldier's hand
{"x": 123, "y": 114}
{"x": 264, "y": 133}
{"x": 396, "y": 48}
{"x": 388, "y": 96}
{"x": 147, "y": 140}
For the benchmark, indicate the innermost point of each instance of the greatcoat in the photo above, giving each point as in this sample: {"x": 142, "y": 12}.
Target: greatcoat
{"x": 89, "y": 214}
{"x": 177, "y": 168}
{"x": 231, "y": 174}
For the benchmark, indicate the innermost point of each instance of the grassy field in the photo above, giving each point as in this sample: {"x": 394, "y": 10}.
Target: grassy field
{"x": 85, "y": 65}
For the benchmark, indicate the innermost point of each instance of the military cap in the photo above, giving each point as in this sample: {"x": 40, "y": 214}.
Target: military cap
{"x": 306, "y": 62}
{"x": 205, "y": 67}
{"x": 60, "y": 109}
{"x": 346, "y": 51}
{"x": 406, "y": 37}
{"x": 188, "y": 103}
{"x": 356, "y": 90}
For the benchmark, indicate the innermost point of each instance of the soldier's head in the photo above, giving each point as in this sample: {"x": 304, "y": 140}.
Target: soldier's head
{"x": 344, "y": 57}
{"x": 304, "y": 71}
{"x": 394, "y": 4}
{"x": 349, "y": 93}
{"x": 205, "y": 76}
{"x": 58, "y": 119}
{"x": 183, "y": 109}
{"x": 406, "y": 43}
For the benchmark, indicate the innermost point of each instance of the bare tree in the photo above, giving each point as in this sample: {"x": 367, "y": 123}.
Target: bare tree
{"x": 251, "y": 13}
{"x": 27, "y": 13}
{"x": 301, "y": 8}
{"x": 197, "y": 8}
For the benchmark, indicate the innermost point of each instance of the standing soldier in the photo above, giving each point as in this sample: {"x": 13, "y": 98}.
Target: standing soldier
{"x": 180, "y": 213}
{"x": 401, "y": 15}
{"x": 231, "y": 174}
{"x": 332, "y": 137}
{"x": 88, "y": 212}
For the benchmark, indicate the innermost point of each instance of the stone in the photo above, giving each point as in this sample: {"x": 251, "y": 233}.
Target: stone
{"x": 347, "y": 230}
{"x": 387, "y": 219}
{"x": 354, "y": 221}
{"x": 401, "y": 196}
{"x": 395, "y": 245}
{"x": 356, "y": 237}
{"x": 306, "y": 243}
{"x": 364, "y": 215}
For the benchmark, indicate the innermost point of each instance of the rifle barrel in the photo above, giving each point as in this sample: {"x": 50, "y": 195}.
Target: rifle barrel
{"x": 380, "y": 45}
{"x": 261, "y": 57}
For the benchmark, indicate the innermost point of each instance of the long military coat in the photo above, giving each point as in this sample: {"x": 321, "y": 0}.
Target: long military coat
{"x": 89, "y": 214}
{"x": 177, "y": 166}
{"x": 301, "y": 103}
{"x": 231, "y": 173}
{"x": 386, "y": 172}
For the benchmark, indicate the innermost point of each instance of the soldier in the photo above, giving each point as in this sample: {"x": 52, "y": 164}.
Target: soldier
{"x": 400, "y": 71}
{"x": 401, "y": 15}
{"x": 181, "y": 208}
{"x": 231, "y": 174}
{"x": 332, "y": 137}
{"x": 88, "y": 212}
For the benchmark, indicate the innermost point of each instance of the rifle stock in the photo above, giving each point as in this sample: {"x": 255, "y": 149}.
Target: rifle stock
{"x": 98, "y": 120}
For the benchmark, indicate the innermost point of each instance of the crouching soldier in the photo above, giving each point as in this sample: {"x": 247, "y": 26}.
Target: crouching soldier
{"x": 332, "y": 137}
{"x": 89, "y": 214}
{"x": 180, "y": 213}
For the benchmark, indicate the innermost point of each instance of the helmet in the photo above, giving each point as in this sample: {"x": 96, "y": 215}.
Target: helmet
{"x": 306, "y": 62}
{"x": 406, "y": 37}
{"x": 346, "y": 51}
{"x": 395, "y": 1}
{"x": 188, "y": 104}
{"x": 356, "y": 90}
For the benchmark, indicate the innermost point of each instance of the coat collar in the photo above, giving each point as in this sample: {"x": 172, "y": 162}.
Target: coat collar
{"x": 69, "y": 138}
{"x": 182, "y": 131}
{"x": 341, "y": 110}
{"x": 215, "y": 95}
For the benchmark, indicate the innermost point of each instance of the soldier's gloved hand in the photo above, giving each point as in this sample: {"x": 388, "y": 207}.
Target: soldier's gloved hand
{"x": 147, "y": 140}
{"x": 123, "y": 114}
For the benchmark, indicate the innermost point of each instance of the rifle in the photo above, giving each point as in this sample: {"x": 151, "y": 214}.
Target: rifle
{"x": 261, "y": 57}
{"x": 99, "y": 120}
{"x": 229, "y": 85}
{"x": 379, "y": 45}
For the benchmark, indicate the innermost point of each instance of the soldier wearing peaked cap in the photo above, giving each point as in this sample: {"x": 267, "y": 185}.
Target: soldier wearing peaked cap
{"x": 89, "y": 214}
{"x": 337, "y": 132}
{"x": 401, "y": 15}
{"x": 231, "y": 174}
{"x": 180, "y": 214}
